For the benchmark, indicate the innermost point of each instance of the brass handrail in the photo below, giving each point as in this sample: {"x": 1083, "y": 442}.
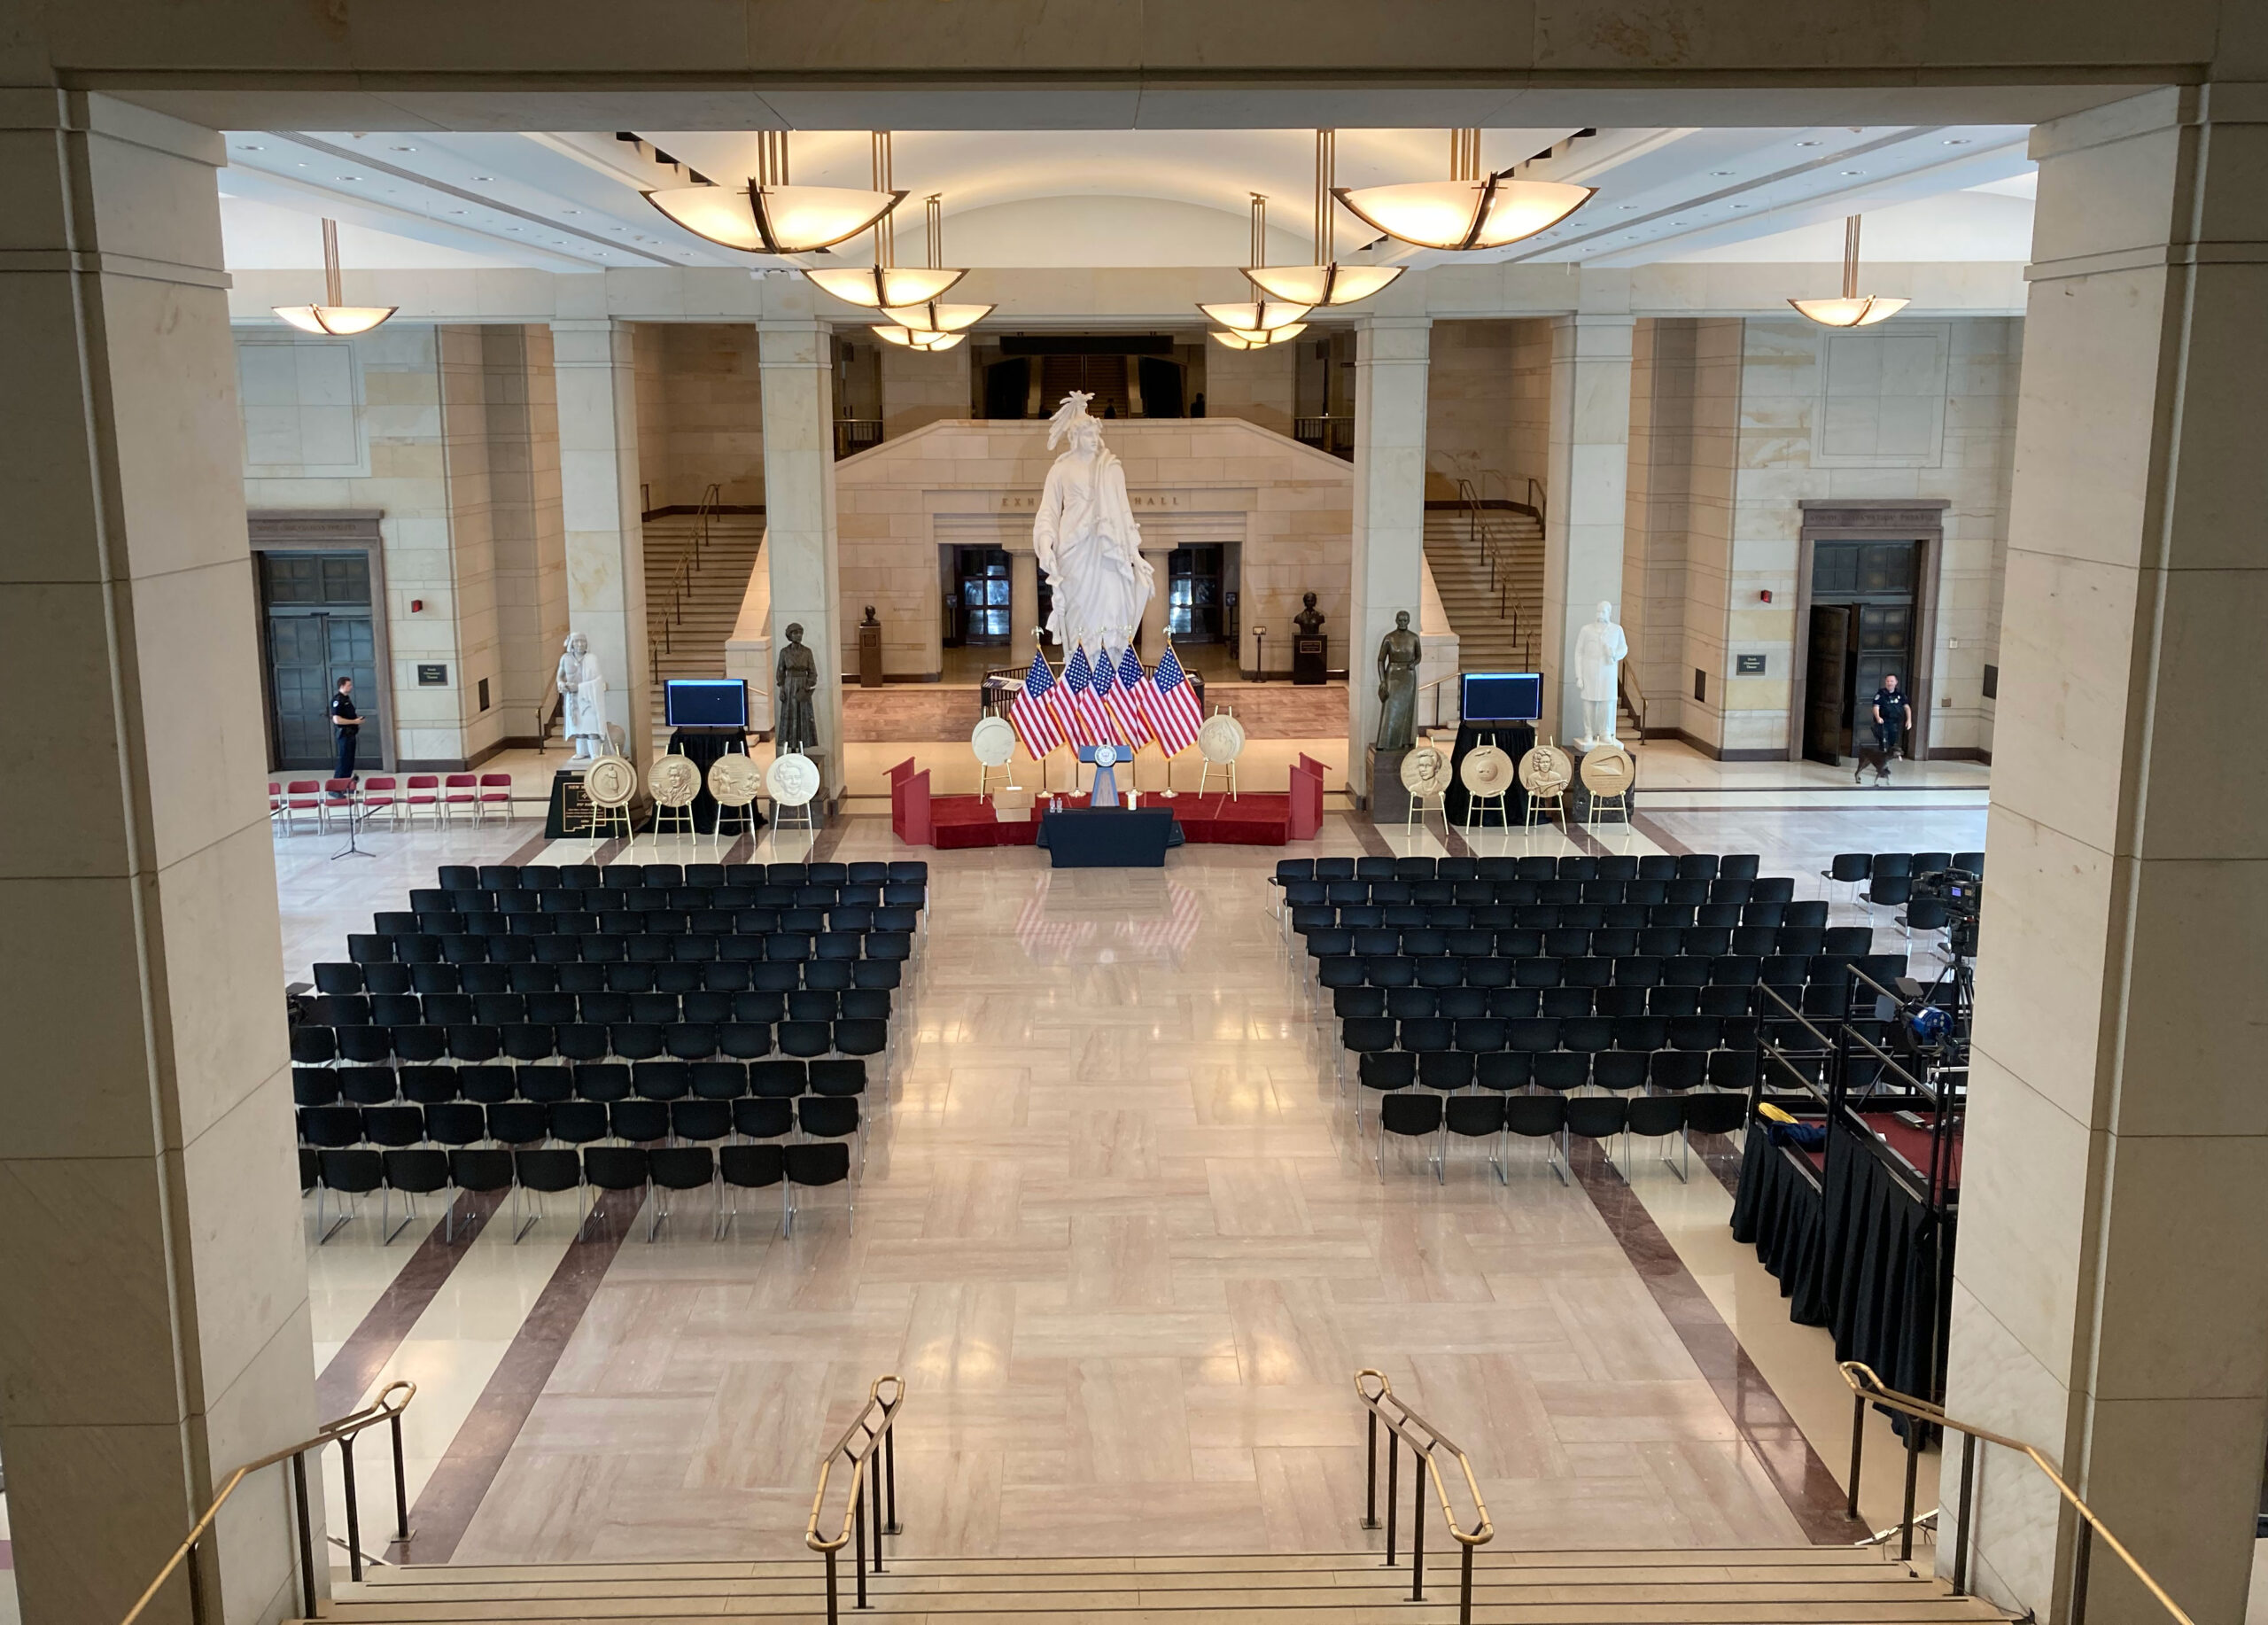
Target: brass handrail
{"x": 869, "y": 1431}
{"x": 703, "y": 512}
{"x": 1406, "y": 1427}
{"x": 1868, "y": 1388}
{"x": 386, "y": 1408}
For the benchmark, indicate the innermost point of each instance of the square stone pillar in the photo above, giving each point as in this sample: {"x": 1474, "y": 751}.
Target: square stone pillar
{"x": 1587, "y": 486}
{"x": 1023, "y": 605}
{"x": 155, "y": 1335}
{"x": 1388, "y": 553}
{"x": 798, "y": 388}
{"x": 2111, "y": 1301}
{"x": 606, "y": 538}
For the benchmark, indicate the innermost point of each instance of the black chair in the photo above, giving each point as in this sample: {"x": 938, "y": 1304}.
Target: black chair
{"x": 1593, "y": 1116}
{"x": 777, "y": 1080}
{"x": 679, "y": 1168}
{"x": 701, "y": 1121}
{"x": 1473, "y": 1116}
{"x": 366, "y": 1086}
{"x": 749, "y": 1167}
{"x": 763, "y": 1119}
{"x": 603, "y": 1081}
{"x": 1657, "y": 1116}
{"x": 821, "y": 1163}
{"x": 415, "y": 1174}
{"x": 615, "y": 1167}
{"x": 579, "y": 1122}
{"x": 805, "y": 1040}
{"x": 314, "y": 1046}
{"x": 520, "y": 1122}
{"x": 1974, "y": 862}
{"x": 1411, "y": 1116}
{"x": 330, "y": 1127}
{"x": 545, "y": 1173}
{"x": 1385, "y": 1070}
{"x": 639, "y": 1121}
{"x": 350, "y": 1173}
{"x": 1561, "y": 1071}
{"x": 1539, "y": 1116}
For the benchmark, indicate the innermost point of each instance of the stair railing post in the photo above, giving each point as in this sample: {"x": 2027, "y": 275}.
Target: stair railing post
{"x": 400, "y": 1482}
{"x": 1912, "y": 1469}
{"x": 1464, "y": 1588}
{"x": 306, "y": 1533}
{"x": 1857, "y": 1446}
{"x": 889, "y": 1470}
{"x": 831, "y": 1589}
{"x": 195, "y": 1584}
{"x": 1393, "y": 1488}
{"x": 1417, "y": 1529}
{"x": 2077, "y": 1614}
{"x": 353, "y": 1511}
{"x": 1371, "y": 1477}
{"x": 874, "y": 1480}
{"x": 859, "y": 1537}
{"x": 1961, "y": 1544}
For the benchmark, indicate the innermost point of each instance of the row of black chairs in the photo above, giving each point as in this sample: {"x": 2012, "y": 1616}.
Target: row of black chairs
{"x": 746, "y": 920}
{"x": 1527, "y": 893}
{"x": 592, "y": 876}
{"x": 1810, "y": 915}
{"x": 315, "y": 1045}
{"x": 1419, "y": 1116}
{"x": 371, "y": 948}
{"x": 391, "y": 979}
{"x": 1573, "y": 866}
{"x": 1635, "y": 971}
{"x": 421, "y": 1171}
{"x": 602, "y": 1081}
{"x": 1668, "y": 1071}
{"x": 1584, "y": 942}
{"x": 662, "y": 899}
{"x": 529, "y": 1122}
{"x": 604, "y": 1007}
{"x": 1636, "y": 1034}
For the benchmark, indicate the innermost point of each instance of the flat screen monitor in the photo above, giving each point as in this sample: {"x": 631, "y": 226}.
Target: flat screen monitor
{"x": 1502, "y": 696}
{"x": 705, "y": 702}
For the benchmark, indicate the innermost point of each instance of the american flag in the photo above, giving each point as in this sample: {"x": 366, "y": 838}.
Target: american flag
{"x": 1115, "y": 705}
{"x": 1032, "y": 713}
{"x": 1134, "y": 702}
{"x": 1172, "y": 708}
{"x": 1083, "y": 717}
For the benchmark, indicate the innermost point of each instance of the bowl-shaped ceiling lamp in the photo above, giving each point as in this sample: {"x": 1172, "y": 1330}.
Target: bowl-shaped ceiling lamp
{"x": 1326, "y": 282}
{"x": 1256, "y": 316}
{"x": 1853, "y": 309}
{"x": 885, "y": 283}
{"x": 1471, "y": 210}
{"x": 335, "y": 317}
{"x": 766, "y": 215}
{"x": 936, "y": 318}
{"x": 908, "y": 339}
{"x": 1248, "y": 338}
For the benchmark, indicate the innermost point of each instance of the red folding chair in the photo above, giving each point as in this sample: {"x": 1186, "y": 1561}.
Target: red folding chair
{"x": 423, "y": 791}
{"x": 496, "y": 791}
{"x": 460, "y": 789}
{"x": 382, "y": 795}
{"x": 302, "y": 796}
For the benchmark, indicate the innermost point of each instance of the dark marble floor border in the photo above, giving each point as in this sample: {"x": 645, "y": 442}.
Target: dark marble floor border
{"x": 1452, "y": 838}
{"x": 1787, "y": 1458}
{"x": 526, "y": 850}
{"x": 1367, "y": 835}
{"x": 462, "y": 1479}
{"x": 1658, "y": 836}
{"x": 383, "y": 1330}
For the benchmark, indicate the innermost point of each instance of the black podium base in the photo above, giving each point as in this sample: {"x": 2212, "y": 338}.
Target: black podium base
{"x": 1108, "y": 837}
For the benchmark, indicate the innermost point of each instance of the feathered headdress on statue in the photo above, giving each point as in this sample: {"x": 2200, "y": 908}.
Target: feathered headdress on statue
{"x": 1073, "y": 409}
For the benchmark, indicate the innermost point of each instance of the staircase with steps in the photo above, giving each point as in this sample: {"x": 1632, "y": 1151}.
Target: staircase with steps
{"x": 1813, "y": 1585}
{"x": 1496, "y": 616}
{"x": 692, "y": 644}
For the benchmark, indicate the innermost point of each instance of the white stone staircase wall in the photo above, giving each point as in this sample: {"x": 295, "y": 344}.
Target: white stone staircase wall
{"x": 1488, "y": 640}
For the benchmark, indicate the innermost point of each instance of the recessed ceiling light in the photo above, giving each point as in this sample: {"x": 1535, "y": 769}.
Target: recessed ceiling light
{"x": 484, "y": 177}
{"x": 1853, "y": 172}
{"x": 511, "y": 228}
{"x": 1958, "y": 140}
{"x": 570, "y": 211}
{"x": 1629, "y": 206}
{"x": 1740, "y": 206}
{"x": 350, "y": 178}
{"x": 456, "y": 211}
{"x": 250, "y": 146}
{"x": 617, "y": 227}
{"x": 1720, "y": 172}
{"x": 1807, "y": 144}
{"x": 401, "y": 148}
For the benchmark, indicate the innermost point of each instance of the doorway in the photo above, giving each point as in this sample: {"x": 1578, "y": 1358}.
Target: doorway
{"x": 980, "y": 597}
{"x": 1861, "y": 629}
{"x": 1193, "y": 595}
{"x": 317, "y": 626}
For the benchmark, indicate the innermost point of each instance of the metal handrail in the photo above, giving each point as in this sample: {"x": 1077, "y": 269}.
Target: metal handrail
{"x": 1404, "y": 1426}
{"x": 342, "y": 1433}
{"x": 1868, "y": 1388}
{"x": 869, "y": 1431}
{"x": 681, "y": 582}
{"x": 1636, "y": 706}
{"x": 545, "y": 715}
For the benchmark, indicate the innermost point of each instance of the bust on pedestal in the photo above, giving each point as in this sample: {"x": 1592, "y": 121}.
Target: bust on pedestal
{"x": 1309, "y": 648}
{"x": 1600, "y": 649}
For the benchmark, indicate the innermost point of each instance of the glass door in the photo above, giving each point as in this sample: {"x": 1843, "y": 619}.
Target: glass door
{"x": 1193, "y": 593}
{"x": 981, "y": 577}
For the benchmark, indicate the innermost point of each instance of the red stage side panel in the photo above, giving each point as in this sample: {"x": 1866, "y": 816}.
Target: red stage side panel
{"x": 1306, "y": 816}
{"x": 909, "y": 805}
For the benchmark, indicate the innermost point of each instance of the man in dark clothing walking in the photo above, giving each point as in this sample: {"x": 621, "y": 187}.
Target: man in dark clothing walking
{"x": 345, "y": 722}
{"x": 1892, "y": 718}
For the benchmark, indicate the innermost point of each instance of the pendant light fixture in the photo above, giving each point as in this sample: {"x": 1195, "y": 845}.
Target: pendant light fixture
{"x": 1853, "y": 309}
{"x": 907, "y": 338}
{"x": 1258, "y": 315}
{"x": 769, "y": 216}
{"x": 1241, "y": 338}
{"x": 883, "y": 282}
{"x": 1471, "y": 210}
{"x": 336, "y": 318}
{"x": 929, "y": 316}
{"x": 1326, "y": 282}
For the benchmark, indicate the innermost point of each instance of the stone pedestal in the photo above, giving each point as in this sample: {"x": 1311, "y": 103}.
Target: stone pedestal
{"x": 870, "y": 655}
{"x": 1578, "y": 795}
{"x": 1309, "y": 661}
{"x": 1388, "y": 801}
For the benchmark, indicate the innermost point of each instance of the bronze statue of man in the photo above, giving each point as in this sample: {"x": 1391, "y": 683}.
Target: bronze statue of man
{"x": 1399, "y": 652}
{"x": 793, "y": 681}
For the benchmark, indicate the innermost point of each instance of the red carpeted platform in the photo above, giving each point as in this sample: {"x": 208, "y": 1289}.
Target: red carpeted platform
{"x": 958, "y": 823}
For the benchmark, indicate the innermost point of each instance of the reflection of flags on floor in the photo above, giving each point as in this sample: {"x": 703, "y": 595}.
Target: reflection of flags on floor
{"x": 1032, "y": 712}
{"x": 1134, "y": 700}
{"x": 1173, "y": 709}
{"x": 1090, "y": 941}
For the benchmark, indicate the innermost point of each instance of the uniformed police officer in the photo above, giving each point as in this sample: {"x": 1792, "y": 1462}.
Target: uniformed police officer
{"x": 1892, "y": 718}
{"x": 345, "y": 722}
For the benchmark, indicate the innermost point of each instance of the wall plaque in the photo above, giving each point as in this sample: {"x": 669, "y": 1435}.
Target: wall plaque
{"x": 1748, "y": 666}
{"x": 433, "y": 676}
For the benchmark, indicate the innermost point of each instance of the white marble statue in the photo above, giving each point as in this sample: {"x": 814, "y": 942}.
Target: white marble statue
{"x": 1086, "y": 540}
{"x": 1600, "y": 649}
{"x": 583, "y": 685}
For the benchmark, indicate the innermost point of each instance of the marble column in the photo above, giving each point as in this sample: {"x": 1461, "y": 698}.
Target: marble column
{"x": 1389, "y": 552}
{"x": 1153, "y": 613}
{"x": 599, "y": 502}
{"x": 1586, "y": 489}
{"x": 798, "y": 388}
{"x": 1023, "y": 605}
{"x": 155, "y": 1334}
{"x": 2110, "y": 1298}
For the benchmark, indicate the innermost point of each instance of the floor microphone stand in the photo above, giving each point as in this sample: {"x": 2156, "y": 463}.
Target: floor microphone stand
{"x": 355, "y": 816}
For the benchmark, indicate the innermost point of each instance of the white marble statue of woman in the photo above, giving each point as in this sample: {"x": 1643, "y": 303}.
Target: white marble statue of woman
{"x": 583, "y": 686}
{"x": 1086, "y": 540}
{"x": 1600, "y": 649}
